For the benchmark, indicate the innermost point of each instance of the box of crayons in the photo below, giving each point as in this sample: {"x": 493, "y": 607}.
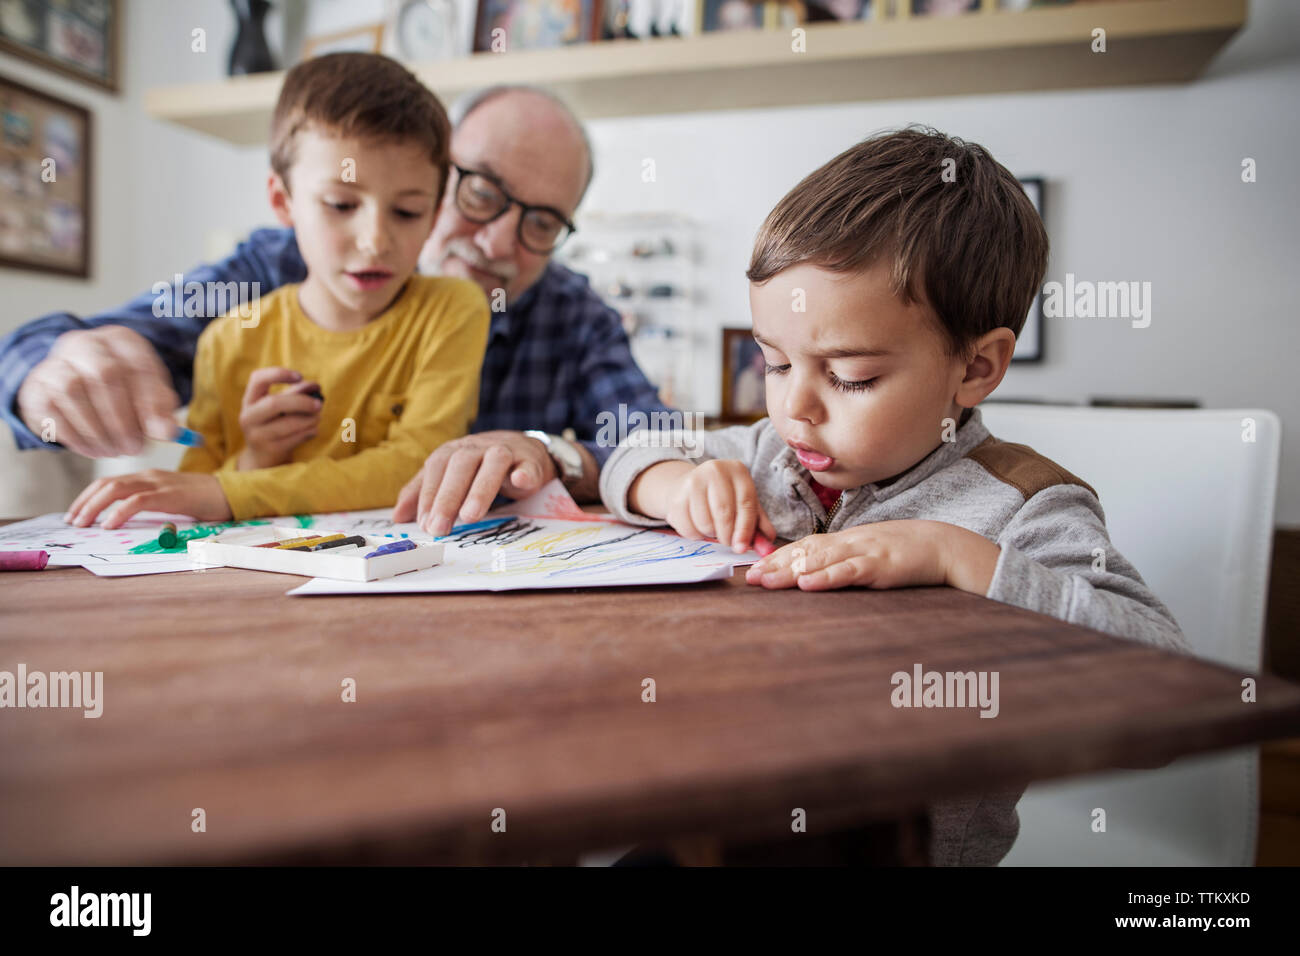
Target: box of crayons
{"x": 315, "y": 554}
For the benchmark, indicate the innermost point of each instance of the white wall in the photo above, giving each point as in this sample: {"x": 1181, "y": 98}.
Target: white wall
{"x": 1143, "y": 184}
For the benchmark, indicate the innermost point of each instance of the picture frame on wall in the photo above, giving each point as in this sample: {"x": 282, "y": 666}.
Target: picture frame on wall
{"x": 1029, "y": 343}
{"x": 78, "y": 38}
{"x": 744, "y": 394}
{"x": 536, "y": 24}
{"x": 45, "y": 164}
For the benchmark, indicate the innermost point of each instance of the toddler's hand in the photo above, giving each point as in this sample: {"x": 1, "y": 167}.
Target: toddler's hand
{"x": 885, "y": 554}
{"x": 274, "y": 425}
{"x": 718, "y": 500}
{"x": 182, "y": 493}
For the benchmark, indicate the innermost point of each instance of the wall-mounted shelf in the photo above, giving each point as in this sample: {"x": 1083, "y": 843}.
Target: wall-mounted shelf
{"x": 1148, "y": 41}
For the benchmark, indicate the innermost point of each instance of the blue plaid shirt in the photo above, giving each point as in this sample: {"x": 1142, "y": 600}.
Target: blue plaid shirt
{"x": 556, "y": 358}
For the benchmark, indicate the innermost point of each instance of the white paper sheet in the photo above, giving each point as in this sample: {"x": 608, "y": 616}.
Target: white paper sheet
{"x": 550, "y": 543}
{"x": 106, "y": 553}
{"x": 517, "y": 552}
{"x": 547, "y": 541}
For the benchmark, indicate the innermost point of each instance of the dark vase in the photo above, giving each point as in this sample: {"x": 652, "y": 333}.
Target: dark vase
{"x": 250, "y": 54}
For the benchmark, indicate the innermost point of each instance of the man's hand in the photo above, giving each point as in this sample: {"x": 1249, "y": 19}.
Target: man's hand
{"x": 102, "y": 390}
{"x": 886, "y": 554}
{"x": 182, "y": 493}
{"x": 463, "y": 477}
{"x": 715, "y": 499}
{"x": 274, "y": 425}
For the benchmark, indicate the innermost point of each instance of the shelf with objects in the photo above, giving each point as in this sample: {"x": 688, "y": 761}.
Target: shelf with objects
{"x": 992, "y": 49}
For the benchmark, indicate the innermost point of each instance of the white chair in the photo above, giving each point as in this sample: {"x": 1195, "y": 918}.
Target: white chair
{"x": 1189, "y": 501}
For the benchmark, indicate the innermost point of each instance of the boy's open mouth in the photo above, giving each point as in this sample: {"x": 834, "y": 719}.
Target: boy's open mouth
{"x": 810, "y": 459}
{"x": 369, "y": 278}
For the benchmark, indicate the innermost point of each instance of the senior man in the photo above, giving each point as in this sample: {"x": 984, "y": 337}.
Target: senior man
{"x": 556, "y": 356}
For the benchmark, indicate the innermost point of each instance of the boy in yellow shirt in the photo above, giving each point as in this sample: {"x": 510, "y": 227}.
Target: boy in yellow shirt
{"x": 381, "y": 366}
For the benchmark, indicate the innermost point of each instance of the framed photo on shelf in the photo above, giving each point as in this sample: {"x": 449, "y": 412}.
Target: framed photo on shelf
{"x": 744, "y": 393}
{"x": 730, "y": 15}
{"x": 77, "y": 38}
{"x": 45, "y": 165}
{"x": 535, "y": 24}
{"x": 1029, "y": 343}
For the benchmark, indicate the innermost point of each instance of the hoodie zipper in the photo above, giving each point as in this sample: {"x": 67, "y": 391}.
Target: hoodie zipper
{"x": 830, "y": 515}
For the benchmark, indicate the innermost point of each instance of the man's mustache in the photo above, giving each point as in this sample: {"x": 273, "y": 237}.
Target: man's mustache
{"x": 468, "y": 253}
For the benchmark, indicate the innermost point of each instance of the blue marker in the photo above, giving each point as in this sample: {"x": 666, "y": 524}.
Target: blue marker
{"x": 393, "y": 547}
{"x": 188, "y": 438}
{"x": 475, "y": 526}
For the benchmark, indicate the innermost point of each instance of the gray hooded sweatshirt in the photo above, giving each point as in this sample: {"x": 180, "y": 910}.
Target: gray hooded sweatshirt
{"x": 1046, "y": 521}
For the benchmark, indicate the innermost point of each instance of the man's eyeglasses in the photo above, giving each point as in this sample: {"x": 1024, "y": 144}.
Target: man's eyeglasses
{"x": 481, "y": 199}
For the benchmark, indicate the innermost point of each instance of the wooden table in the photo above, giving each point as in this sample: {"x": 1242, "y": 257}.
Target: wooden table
{"x": 221, "y": 693}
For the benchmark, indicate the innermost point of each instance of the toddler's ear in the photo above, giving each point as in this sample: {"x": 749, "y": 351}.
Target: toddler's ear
{"x": 991, "y": 355}
{"x": 277, "y": 193}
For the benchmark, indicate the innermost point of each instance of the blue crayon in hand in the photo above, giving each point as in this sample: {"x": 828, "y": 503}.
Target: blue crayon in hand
{"x": 188, "y": 438}
{"x": 393, "y": 547}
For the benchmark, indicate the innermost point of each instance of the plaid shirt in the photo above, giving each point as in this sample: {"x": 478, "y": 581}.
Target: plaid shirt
{"x": 556, "y": 358}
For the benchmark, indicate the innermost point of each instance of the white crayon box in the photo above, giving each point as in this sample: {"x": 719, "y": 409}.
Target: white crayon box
{"x": 239, "y": 549}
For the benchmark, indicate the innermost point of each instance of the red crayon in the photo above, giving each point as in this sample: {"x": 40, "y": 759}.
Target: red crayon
{"x": 763, "y": 544}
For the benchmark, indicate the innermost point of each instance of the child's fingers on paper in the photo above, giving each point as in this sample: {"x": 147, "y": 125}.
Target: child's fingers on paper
{"x": 679, "y": 519}
{"x": 748, "y": 512}
{"x": 79, "y": 502}
{"x": 721, "y": 497}
{"x": 261, "y": 380}
{"x": 697, "y": 508}
{"x": 113, "y": 489}
{"x": 124, "y": 509}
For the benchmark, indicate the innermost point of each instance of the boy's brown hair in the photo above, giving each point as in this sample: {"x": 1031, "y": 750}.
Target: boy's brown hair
{"x": 969, "y": 244}
{"x": 363, "y": 95}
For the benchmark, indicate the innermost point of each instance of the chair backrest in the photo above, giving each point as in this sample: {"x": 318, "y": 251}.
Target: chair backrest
{"x": 1188, "y": 497}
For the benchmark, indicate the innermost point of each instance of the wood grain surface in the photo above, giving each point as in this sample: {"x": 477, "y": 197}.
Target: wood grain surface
{"x": 222, "y": 693}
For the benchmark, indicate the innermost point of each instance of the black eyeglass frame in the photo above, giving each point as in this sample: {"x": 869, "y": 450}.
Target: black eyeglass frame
{"x": 462, "y": 173}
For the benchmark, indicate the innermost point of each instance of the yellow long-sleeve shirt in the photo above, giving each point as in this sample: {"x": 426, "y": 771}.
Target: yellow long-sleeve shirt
{"x": 394, "y": 391}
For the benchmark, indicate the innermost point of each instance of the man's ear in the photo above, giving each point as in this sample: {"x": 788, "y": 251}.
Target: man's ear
{"x": 987, "y": 364}
{"x": 277, "y": 193}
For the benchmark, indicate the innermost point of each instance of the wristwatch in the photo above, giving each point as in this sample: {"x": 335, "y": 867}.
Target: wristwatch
{"x": 568, "y": 460}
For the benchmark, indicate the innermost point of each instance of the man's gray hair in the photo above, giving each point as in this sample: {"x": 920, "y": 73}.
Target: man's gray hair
{"x": 471, "y": 101}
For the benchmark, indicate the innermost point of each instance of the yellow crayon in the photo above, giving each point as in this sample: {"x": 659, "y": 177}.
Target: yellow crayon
{"x": 304, "y": 543}
{"x": 288, "y": 542}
